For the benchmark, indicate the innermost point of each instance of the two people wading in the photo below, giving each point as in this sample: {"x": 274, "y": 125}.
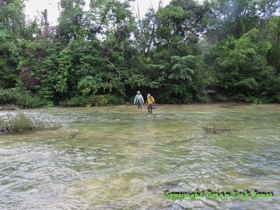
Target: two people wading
{"x": 140, "y": 101}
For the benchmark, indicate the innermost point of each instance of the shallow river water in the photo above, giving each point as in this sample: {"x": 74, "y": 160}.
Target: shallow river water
{"x": 116, "y": 158}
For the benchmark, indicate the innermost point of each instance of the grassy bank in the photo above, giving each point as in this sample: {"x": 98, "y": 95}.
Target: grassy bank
{"x": 20, "y": 123}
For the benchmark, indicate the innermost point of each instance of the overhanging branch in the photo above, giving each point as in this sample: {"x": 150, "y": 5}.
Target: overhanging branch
{"x": 116, "y": 69}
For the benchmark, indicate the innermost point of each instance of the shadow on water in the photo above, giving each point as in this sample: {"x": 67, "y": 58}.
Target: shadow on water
{"x": 117, "y": 158}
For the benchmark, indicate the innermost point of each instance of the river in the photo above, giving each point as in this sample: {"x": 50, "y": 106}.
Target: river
{"x": 117, "y": 158}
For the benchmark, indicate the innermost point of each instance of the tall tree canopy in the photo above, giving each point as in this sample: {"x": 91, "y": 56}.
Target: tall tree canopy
{"x": 175, "y": 52}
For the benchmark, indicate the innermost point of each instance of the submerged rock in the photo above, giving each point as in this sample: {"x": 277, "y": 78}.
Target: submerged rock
{"x": 256, "y": 173}
{"x": 151, "y": 188}
{"x": 74, "y": 135}
{"x": 216, "y": 130}
{"x": 9, "y": 170}
{"x": 135, "y": 142}
{"x": 173, "y": 187}
{"x": 176, "y": 206}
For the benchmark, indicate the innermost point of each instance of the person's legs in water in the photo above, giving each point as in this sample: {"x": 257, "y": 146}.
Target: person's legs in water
{"x": 150, "y": 108}
{"x": 139, "y": 104}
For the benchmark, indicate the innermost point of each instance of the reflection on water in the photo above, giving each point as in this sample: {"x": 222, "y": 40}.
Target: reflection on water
{"x": 116, "y": 158}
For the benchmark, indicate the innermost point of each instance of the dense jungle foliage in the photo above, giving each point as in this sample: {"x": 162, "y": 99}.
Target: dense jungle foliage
{"x": 177, "y": 52}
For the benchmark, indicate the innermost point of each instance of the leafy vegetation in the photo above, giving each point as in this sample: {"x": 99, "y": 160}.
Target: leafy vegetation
{"x": 20, "y": 123}
{"x": 103, "y": 55}
{"x": 24, "y": 99}
{"x": 93, "y": 100}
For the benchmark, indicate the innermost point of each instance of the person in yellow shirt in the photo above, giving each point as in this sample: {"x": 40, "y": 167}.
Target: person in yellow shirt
{"x": 150, "y": 102}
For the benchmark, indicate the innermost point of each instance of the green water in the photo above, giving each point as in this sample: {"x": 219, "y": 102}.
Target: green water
{"x": 116, "y": 158}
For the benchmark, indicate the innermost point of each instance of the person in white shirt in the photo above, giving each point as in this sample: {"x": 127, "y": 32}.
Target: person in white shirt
{"x": 140, "y": 100}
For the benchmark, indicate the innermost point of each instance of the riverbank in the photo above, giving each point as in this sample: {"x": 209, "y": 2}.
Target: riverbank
{"x": 15, "y": 98}
{"x": 9, "y": 107}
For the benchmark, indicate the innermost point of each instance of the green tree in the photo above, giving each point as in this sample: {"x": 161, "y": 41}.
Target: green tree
{"x": 244, "y": 68}
{"x": 11, "y": 26}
